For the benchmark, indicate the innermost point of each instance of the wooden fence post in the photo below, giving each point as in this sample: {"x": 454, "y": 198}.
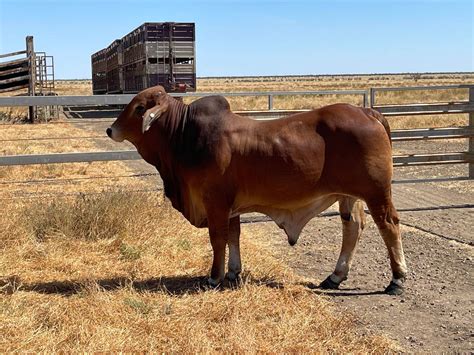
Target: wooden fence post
{"x": 30, "y": 53}
{"x": 471, "y": 125}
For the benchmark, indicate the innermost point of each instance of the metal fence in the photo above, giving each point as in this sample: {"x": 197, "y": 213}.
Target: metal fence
{"x": 16, "y": 74}
{"x": 35, "y": 71}
{"x": 369, "y": 98}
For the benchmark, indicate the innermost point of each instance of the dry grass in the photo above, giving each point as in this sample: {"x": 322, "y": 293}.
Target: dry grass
{"x": 137, "y": 287}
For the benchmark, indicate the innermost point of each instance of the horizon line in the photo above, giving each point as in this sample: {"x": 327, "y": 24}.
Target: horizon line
{"x": 315, "y": 75}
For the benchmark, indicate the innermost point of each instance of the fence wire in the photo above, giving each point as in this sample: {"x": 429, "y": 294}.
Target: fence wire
{"x": 66, "y": 180}
{"x": 33, "y": 195}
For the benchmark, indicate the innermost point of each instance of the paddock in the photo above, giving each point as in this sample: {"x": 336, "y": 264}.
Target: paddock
{"x": 432, "y": 187}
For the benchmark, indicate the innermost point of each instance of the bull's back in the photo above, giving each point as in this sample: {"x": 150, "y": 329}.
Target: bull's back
{"x": 336, "y": 149}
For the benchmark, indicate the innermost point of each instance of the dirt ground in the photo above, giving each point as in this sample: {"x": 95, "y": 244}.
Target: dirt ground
{"x": 435, "y": 313}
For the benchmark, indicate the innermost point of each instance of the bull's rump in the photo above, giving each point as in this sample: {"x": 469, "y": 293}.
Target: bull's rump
{"x": 290, "y": 162}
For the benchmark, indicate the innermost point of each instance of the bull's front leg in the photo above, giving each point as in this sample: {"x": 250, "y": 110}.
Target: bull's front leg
{"x": 218, "y": 223}
{"x": 235, "y": 264}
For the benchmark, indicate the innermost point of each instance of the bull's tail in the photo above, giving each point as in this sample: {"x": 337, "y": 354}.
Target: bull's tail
{"x": 381, "y": 118}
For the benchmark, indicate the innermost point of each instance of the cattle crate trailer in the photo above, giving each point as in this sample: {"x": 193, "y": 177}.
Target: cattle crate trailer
{"x": 114, "y": 54}
{"x": 99, "y": 72}
{"x": 160, "y": 54}
{"x": 155, "y": 53}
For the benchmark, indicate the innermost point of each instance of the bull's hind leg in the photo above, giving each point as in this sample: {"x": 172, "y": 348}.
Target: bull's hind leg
{"x": 234, "y": 264}
{"x": 386, "y": 217}
{"x": 353, "y": 222}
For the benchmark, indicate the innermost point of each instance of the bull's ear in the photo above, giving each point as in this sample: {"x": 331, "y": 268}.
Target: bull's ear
{"x": 151, "y": 115}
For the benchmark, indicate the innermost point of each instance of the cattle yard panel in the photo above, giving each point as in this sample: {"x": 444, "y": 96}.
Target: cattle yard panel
{"x": 35, "y": 72}
{"x": 152, "y": 54}
{"x": 394, "y": 110}
{"x": 16, "y": 74}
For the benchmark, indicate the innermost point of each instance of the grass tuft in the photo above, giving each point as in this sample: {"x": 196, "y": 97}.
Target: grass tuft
{"x": 129, "y": 252}
{"x": 87, "y": 217}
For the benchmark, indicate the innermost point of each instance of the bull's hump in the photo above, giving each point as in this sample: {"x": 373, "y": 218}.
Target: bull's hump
{"x": 211, "y": 105}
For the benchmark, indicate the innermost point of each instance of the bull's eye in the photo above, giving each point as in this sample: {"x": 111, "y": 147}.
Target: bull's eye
{"x": 140, "y": 110}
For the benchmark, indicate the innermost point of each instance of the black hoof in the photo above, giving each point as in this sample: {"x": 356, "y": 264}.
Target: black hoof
{"x": 213, "y": 283}
{"x": 329, "y": 284}
{"x": 233, "y": 277}
{"x": 394, "y": 289}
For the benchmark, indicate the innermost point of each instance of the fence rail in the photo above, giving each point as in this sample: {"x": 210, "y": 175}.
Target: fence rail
{"x": 123, "y": 99}
{"x": 88, "y": 157}
{"x": 12, "y": 54}
{"x": 466, "y": 107}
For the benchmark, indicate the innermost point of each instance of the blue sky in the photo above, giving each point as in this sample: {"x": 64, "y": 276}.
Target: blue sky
{"x": 267, "y": 37}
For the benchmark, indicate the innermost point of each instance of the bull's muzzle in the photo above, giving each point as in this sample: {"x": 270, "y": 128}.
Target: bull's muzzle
{"x": 114, "y": 134}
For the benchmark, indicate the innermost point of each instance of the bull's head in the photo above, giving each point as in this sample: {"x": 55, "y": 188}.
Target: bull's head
{"x": 138, "y": 116}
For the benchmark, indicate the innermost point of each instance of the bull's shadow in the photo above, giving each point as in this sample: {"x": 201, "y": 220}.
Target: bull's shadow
{"x": 343, "y": 292}
{"x": 173, "y": 285}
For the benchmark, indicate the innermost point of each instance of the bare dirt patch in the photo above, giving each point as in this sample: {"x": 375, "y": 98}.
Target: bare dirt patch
{"x": 435, "y": 314}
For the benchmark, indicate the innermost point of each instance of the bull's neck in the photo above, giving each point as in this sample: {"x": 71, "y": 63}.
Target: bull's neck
{"x": 167, "y": 133}
{"x": 175, "y": 120}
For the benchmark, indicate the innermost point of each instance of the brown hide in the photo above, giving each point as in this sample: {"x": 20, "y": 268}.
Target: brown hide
{"x": 212, "y": 159}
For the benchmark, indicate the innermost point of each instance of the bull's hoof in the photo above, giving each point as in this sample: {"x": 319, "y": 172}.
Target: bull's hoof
{"x": 394, "y": 289}
{"x": 233, "y": 276}
{"x": 329, "y": 284}
{"x": 213, "y": 283}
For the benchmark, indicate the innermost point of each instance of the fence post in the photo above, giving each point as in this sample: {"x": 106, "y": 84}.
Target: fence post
{"x": 30, "y": 53}
{"x": 365, "y": 98}
{"x": 270, "y": 102}
{"x": 471, "y": 125}
{"x": 372, "y": 97}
